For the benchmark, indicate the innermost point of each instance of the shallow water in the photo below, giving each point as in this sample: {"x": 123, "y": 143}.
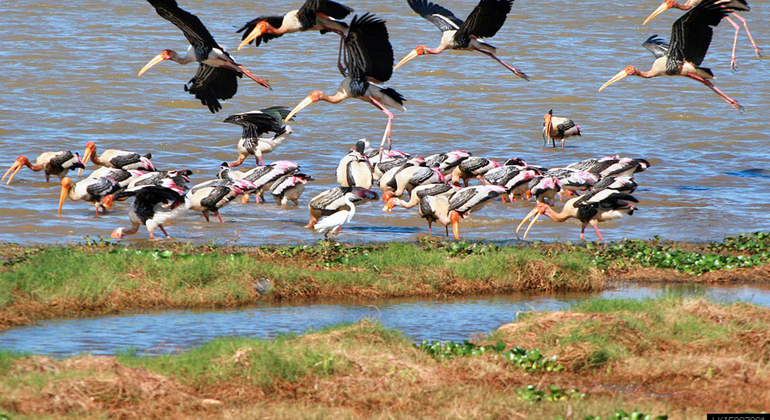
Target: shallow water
{"x": 160, "y": 332}
{"x": 69, "y": 77}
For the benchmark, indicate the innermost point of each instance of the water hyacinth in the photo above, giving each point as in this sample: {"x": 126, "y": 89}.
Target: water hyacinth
{"x": 531, "y": 360}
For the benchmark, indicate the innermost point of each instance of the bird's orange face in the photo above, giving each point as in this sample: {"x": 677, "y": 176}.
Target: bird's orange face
{"x": 418, "y": 51}
{"x": 16, "y": 167}
{"x": 260, "y": 29}
{"x": 163, "y": 56}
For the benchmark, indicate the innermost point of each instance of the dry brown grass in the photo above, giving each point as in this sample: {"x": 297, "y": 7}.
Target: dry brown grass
{"x": 655, "y": 365}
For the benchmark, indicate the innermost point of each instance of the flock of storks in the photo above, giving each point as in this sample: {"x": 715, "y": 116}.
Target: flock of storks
{"x": 365, "y": 60}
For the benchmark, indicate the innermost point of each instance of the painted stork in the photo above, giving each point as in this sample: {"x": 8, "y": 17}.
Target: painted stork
{"x": 89, "y": 189}
{"x": 543, "y": 188}
{"x": 154, "y": 206}
{"x": 370, "y": 58}
{"x": 515, "y": 179}
{"x": 446, "y": 162}
{"x": 409, "y": 178}
{"x": 289, "y": 188}
{"x": 483, "y": 22}
{"x": 387, "y": 181}
{"x": 137, "y": 179}
{"x": 331, "y": 224}
{"x": 261, "y": 176}
{"x": 51, "y": 163}
{"x": 388, "y": 161}
{"x": 212, "y": 198}
{"x": 611, "y": 166}
{"x": 315, "y": 15}
{"x": 418, "y": 193}
{"x": 690, "y": 39}
{"x": 592, "y": 208}
{"x": 472, "y": 167}
{"x": 558, "y": 128}
{"x": 624, "y": 184}
{"x": 573, "y": 180}
{"x": 689, "y": 4}
{"x": 118, "y": 159}
{"x": 255, "y": 124}
{"x": 354, "y": 170}
{"x": 218, "y": 73}
{"x": 333, "y": 200}
{"x": 449, "y": 211}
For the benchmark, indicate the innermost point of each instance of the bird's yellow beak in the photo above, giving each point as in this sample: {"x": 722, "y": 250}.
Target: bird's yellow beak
{"x": 257, "y": 32}
{"x": 163, "y": 56}
{"x": 547, "y": 127}
{"x": 621, "y": 75}
{"x": 86, "y": 155}
{"x": 16, "y": 167}
{"x": 662, "y": 8}
{"x": 302, "y": 105}
{"x": 66, "y": 185}
{"x": 411, "y": 56}
{"x": 455, "y": 217}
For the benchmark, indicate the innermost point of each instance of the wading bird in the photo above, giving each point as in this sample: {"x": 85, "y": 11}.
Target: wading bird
{"x": 118, "y": 159}
{"x": 418, "y": 193}
{"x": 89, "y": 189}
{"x": 331, "y": 224}
{"x": 514, "y": 178}
{"x": 446, "y": 162}
{"x": 449, "y": 211}
{"x": 218, "y": 73}
{"x": 153, "y": 207}
{"x": 314, "y": 15}
{"x": 690, "y": 40}
{"x": 408, "y": 179}
{"x": 611, "y": 166}
{"x": 255, "y": 124}
{"x": 370, "y": 61}
{"x": 333, "y": 200}
{"x": 689, "y": 4}
{"x": 472, "y": 167}
{"x": 484, "y": 21}
{"x": 289, "y": 188}
{"x": 51, "y": 163}
{"x": 592, "y": 208}
{"x": 210, "y": 199}
{"x": 558, "y": 128}
{"x": 354, "y": 170}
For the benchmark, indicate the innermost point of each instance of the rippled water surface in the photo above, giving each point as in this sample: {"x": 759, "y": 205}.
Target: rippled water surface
{"x": 69, "y": 77}
{"x": 455, "y": 319}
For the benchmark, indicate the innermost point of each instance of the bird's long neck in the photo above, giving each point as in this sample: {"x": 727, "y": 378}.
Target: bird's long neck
{"x": 188, "y": 57}
{"x": 338, "y": 97}
{"x": 561, "y": 216}
{"x": 352, "y": 208}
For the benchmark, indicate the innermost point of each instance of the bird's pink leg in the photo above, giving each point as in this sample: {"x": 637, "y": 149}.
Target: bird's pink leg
{"x": 260, "y": 162}
{"x": 164, "y": 231}
{"x": 583, "y": 232}
{"x": 506, "y": 65}
{"x": 751, "y": 38}
{"x": 721, "y": 94}
{"x": 430, "y": 228}
{"x": 386, "y": 136}
{"x": 253, "y": 77}
{"x": 733, "y": 60}
{"x": 562, "y": 144}
{"x": 152, "y": 236}
{"x": 597, "y": 232}
{"x": 220, "y": 218}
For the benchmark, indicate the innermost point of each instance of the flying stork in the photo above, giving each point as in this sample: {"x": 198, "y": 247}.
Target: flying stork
{"x": 690, "y": 39}
{"x": 217, "y": 73}
{"x": 483, "y": 22}
{"x": 370, "y": 62}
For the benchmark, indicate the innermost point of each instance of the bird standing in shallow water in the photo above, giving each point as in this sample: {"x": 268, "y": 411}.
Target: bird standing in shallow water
{"x": 153, "y": 207}
{"x": 218, "y": 73}
{"x": 592, "y": 208}
{"x": 690, "y": 40}
{"x": 558, "y": 128}
{"x": 51, "y": 163}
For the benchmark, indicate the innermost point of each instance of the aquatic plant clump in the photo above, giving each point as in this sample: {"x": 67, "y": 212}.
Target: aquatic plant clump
{"x": 669, "y": 257}
{"x": 531, "y": 360}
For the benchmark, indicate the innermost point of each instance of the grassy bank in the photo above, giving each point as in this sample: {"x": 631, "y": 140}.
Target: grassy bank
{"x": 45, "y": 282}
{"x": 668, "y": 356}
